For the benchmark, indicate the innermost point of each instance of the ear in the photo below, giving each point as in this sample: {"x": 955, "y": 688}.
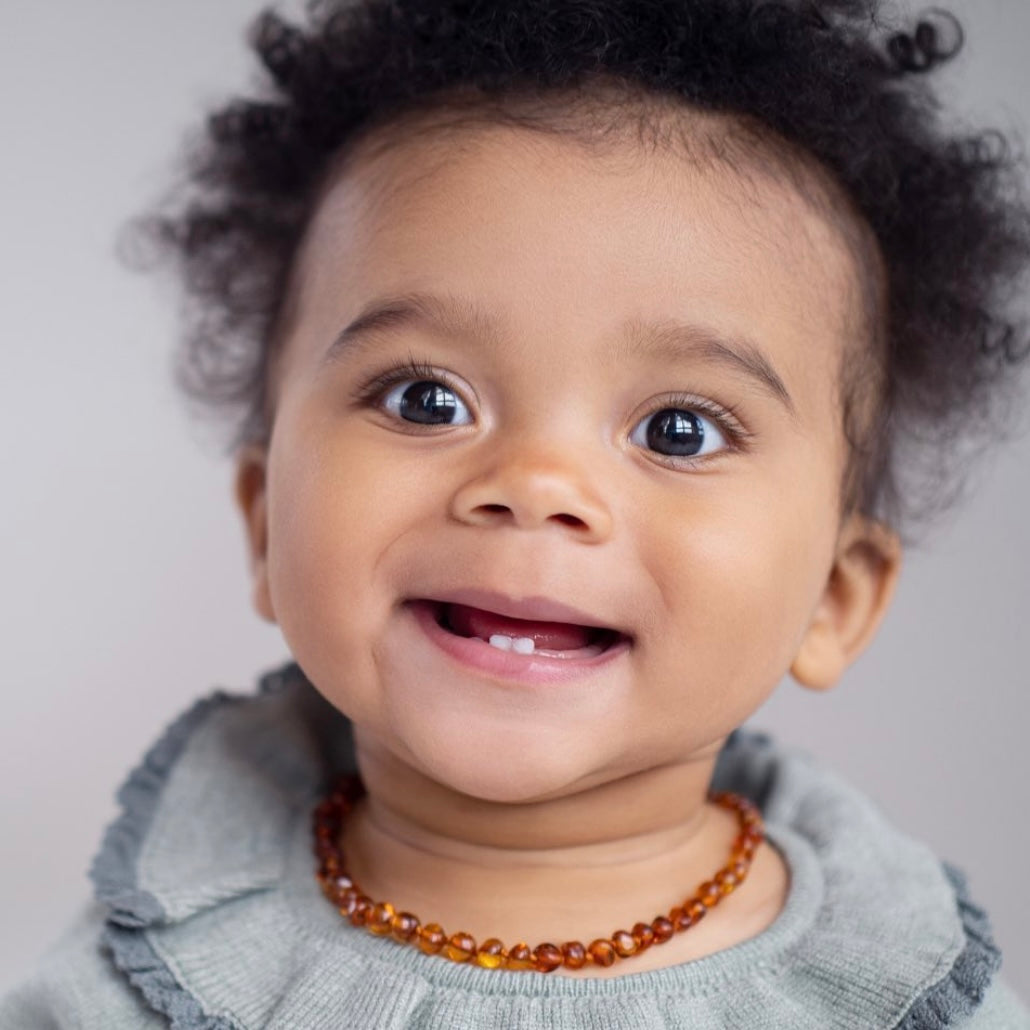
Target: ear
{"x": 252, "y": 500}
{"x": 858, "y": 592}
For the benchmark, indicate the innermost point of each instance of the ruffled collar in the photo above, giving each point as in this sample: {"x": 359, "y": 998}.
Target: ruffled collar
{"x": 215, "y": 915}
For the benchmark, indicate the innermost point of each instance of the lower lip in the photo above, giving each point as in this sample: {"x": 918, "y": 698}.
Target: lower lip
{"x": 510, "y": 665}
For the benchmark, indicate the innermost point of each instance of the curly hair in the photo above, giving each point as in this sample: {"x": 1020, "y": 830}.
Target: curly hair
{"x": 827, "y": 82}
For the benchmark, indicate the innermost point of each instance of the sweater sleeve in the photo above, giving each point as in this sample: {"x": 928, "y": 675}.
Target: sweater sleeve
{"x": 75, "y": 986}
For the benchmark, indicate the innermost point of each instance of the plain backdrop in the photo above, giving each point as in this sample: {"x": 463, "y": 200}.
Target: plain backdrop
{"x": 125, "y": 587}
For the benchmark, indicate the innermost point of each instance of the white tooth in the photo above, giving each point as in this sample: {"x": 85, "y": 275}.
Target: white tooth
{"x": 499, "y": 640}
{"x": 524, "y": 645}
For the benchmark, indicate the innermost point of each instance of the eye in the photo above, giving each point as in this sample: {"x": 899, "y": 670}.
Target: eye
{"x": 426, "y": 402}
{"x": 679, "y": 433}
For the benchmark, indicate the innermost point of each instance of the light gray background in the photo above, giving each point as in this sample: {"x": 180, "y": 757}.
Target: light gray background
{"x": 125, "y": 581}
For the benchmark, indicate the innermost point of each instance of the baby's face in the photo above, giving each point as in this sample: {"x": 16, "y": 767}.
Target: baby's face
{"x": 640, "y": 422}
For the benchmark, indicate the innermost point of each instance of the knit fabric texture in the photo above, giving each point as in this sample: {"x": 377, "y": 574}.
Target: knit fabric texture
{"x": 208, "y": 916}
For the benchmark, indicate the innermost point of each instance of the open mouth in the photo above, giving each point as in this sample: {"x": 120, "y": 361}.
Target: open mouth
{"x": 524, "y": 636}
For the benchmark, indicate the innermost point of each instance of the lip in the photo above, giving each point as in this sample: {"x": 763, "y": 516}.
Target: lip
{"x": 542, "y": 609}
{"x": 528, "y": 669}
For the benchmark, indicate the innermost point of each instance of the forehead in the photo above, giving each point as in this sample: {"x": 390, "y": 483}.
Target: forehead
{"x": 707, "y": 225}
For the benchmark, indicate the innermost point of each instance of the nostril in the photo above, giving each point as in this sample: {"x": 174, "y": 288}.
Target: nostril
{"x": 570, "y": 520}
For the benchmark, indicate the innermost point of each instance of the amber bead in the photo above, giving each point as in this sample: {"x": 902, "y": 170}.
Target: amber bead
{"x": 520, "y": 956}
{"x": 602, "y": 952}
{"x": 363, "y": 906}
{"x": 380, "y": 919}
{"x": 643, "y": 935}
{"x": 404, "y": 927}
{"x": 574, "y": 955}
{"x": 696, "y": 910}
{"x": 431, "y": 938}
{"x": 336, "y": 886}
{"x": 680, "y": 920}
{"x": 491, "y": 954}
{"x": 460, "y": 947}
{"x": 739, "y": 868}
{"x": 624, "y": 943}
{"x": 725, "y": 881}
{"x": 709, "y": 894}
{"x": 746, "y": 844}
{"x": 546, "y": 958}
{"x": 662, "y": 929}
{"x": 348, "y": 901}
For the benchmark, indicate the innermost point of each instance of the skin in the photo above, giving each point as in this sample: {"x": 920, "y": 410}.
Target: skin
{"x": 562, "y": 811}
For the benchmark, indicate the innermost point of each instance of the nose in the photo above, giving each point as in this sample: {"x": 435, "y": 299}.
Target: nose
{"x": 531, "y": 487}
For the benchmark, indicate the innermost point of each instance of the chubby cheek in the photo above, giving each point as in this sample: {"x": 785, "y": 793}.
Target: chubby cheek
{"x": 738, "y": 586}
{"x": 333, "y": 516}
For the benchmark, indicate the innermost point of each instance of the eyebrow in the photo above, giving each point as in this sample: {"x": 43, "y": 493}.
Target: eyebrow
{"x": 461, "y": 317}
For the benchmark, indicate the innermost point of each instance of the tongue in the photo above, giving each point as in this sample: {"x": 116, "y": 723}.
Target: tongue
{"x": 553, "y": 636}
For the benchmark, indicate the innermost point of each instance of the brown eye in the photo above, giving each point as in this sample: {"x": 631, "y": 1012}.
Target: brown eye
{"x": 678, "y": 433}
{"x": 427, "y": 403}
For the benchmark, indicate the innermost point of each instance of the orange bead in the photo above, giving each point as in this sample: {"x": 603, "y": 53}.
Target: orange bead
{"x": 380, "y": 919}
{"x": 624, "y": 943}
{"x": 679, "y": 919}
{"x": 739, "y": 868}
{"x": 348, "y": 901}
{"x": 337, "y": 886}
{"x": 662, "y": 929}
{"x": 601, "y": 952}
{"x": 405, "y": 927}
{"x": 460, "y": 947}
{"x": 491, "y": 954}
{"x": 519, "y": 957}
{"x": 574, "y": 955}
{"x": 709, "y": 894}
{"x": 363, "y": 906}
{"x": 725, "y": 881}
{"x": 546, "y": 958}
{"x": 643, "y": 935}
{"x": 746, "y": 844}
{"x": 696, "y": 910}
{"x": 431, "y": 938}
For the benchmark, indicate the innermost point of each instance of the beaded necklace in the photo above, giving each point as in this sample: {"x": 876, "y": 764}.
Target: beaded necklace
{"x": 382, "y": 919}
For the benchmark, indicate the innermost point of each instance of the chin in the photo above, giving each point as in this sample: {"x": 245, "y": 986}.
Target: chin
{"x": 499, "y": 764}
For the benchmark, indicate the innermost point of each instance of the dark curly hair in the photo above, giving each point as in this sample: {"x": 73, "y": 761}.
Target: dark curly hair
{"x": 825, "y": 85}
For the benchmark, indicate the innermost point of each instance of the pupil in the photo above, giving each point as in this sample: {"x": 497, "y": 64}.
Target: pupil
{"x": 673, "y": 432}
{"x": 427, "y": 402}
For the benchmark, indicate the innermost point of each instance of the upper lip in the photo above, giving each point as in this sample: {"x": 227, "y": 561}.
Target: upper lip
{"x": 541, "y": 609}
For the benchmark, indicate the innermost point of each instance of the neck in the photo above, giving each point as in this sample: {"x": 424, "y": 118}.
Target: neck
{"x": 575, "y": 866}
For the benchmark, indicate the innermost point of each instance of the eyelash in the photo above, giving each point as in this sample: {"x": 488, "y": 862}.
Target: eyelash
{"x": 725, "y": 416}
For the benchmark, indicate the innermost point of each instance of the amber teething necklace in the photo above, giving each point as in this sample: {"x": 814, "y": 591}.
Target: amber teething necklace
{"x": 382, "y": 919}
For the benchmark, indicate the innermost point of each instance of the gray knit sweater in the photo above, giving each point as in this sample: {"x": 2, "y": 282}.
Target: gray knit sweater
{"x": 207, "y": 913}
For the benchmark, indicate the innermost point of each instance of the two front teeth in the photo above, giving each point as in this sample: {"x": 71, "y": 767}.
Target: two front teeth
{"x": 523, "y": 645}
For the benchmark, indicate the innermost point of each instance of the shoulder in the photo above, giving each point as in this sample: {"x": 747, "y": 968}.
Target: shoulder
{"x": 897, "y": 934}
{"x": 76, "y": 985}
{"x": 1000, "y": 1009}
{"x": 202, "y": 822}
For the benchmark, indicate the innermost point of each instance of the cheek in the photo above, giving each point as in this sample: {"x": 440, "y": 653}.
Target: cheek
{"x": 738, "y": 584}
{"x": 333, "y": 517}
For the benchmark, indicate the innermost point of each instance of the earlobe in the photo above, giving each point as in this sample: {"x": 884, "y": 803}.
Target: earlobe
{"x": 856, "y": 597}
{"x": 251, "y": 497}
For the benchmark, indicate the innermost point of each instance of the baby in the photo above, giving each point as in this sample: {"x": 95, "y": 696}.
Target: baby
{"x": 574, "y": 348}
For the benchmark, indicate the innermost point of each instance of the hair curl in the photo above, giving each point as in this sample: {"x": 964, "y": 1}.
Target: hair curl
{"x": 948, "y": 211}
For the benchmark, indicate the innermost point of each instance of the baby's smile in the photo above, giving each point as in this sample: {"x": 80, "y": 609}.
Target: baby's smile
{"x": 534, "y": 649}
